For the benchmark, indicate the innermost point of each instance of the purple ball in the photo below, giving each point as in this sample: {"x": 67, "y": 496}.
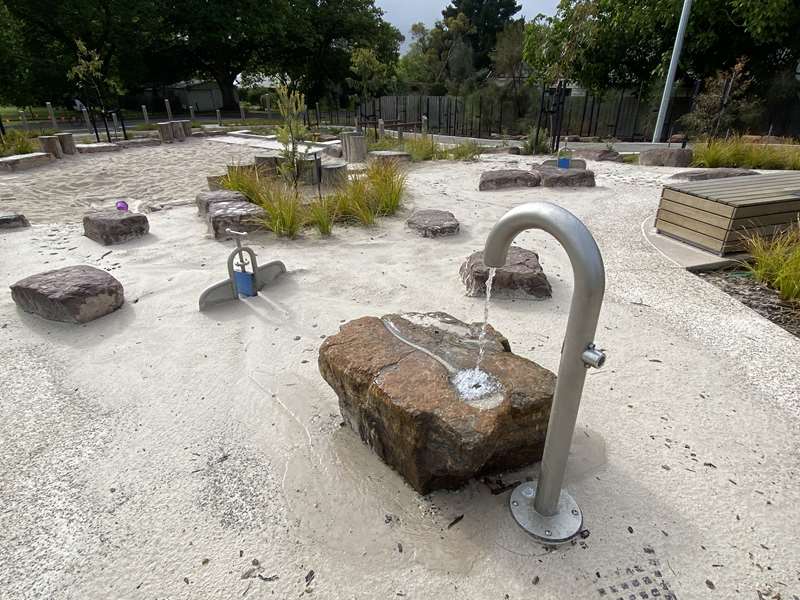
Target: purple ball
{"x": 122, "y": 205}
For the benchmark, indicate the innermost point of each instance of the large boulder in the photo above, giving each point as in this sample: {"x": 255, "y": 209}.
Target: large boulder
{"x": 555, "y": 177}
{"x": 237, "y": 215}
{"x": 206, "y": 199}
{"x": 507, "y": 178}
{"x": 13, "y": 221}
{"x": 114, "y": 226}
{"x": 719, "y": 173}
{"x": 407, "y": 384}
{"x": 666, "y": 157}
{"x": 76, "y": 294}
{"x": 433, "y": 223}
{"x": 605, "y": 154}
{"x": 521, "y": 277}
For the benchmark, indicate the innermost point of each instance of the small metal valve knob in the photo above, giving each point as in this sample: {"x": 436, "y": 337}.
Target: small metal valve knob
{"x": 592, "y": 357}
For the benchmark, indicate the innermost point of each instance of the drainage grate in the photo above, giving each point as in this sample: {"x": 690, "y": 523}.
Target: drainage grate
{"x": 639, "y": 583}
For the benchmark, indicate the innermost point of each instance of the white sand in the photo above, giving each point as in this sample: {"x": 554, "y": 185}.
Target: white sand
{"x": 159, "y": 446}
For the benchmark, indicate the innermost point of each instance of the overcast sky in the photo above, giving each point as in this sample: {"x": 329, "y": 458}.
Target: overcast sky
{"x": 403, "y": 13}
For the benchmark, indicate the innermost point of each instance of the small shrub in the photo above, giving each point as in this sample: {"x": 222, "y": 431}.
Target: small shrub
{"x": 244, "y": 179}
{"x": 384, "y": 143}
{"x": 322, "y": 214}
{"x": 735, "y": 152}
{"x": 285, "y": 214}
{"x": 776, "y": 261}
{"x": 423, "y": 148}
{"x": 465, "y": 151}
{"x": 530, "y": 145}
{"x": 354, "y": 202}
{"x": 16, "y": 142}
{"x": 386, "y": 181}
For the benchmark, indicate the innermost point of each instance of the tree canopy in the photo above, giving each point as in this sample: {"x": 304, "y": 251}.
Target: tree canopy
{"x": 151, "y": 43}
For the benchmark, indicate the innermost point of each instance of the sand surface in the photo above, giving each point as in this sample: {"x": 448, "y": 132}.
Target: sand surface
{"x": 163, "y": 453}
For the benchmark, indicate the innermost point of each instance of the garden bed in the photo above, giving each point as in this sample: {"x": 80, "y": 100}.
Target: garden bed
{"x": 764, "y": 300}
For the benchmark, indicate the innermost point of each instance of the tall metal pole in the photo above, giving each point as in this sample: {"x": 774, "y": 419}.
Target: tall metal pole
{"x": 673, "y": 68}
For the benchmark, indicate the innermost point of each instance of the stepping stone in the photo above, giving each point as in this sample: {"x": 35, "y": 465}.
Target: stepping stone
{"x": 76, "y": 294}
{"x": 719, "y": 173}
{"x": 555, "y": 177}
{"x": 389, "y": 156}
{"x": 206, "y": 199}
{"x": 424, "y": 410}
{"x": 237, "y": 215}
{"x": 114, "y": 226}
{"x": 333, "y": 173}
{"x": 433, "y": 223}
{"x": 178, "y": 132}
{"x": 13, "y": 221}
{"x": 98, "y": 147}
{"x": 164, "y": 131}
{"x": 333, "y": 151}
{"x": 666, "y": 157}
{"x": 521, "y": 277}
{"x": 267, "y": 164}
{"x": 574, "y": 163}
{"x": 508, "y": 178}
{"x": 599, "y": 155}
{"x": 51, "y": 144}
{"x": 67, "y": 143}
{"x": 21, "y": 162}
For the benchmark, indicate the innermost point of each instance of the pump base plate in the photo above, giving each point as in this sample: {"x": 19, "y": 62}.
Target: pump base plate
{"x": 561, "y": 527}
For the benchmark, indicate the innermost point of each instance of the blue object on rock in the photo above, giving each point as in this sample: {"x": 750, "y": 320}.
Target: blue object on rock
{"x": 563, "y": 163}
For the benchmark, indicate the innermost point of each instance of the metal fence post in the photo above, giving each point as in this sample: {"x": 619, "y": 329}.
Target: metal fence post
{"x": 543, "y": 508}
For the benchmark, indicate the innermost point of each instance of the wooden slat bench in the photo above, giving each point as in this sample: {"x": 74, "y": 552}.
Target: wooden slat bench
{"x": 719, "y": 215}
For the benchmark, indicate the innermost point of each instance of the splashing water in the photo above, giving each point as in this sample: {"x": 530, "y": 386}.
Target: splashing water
{"x": 484, "y": 329}
{"x": 478, "y": 388}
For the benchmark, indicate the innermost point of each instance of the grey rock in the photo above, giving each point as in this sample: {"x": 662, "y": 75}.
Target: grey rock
{"x": 237, "y": 215}
{"x": 666, "y": 157}
{"x": 521, "y": 277}
{"x": 433, "y": 223}
{"x": 555, "y": 177}
{"x": 22, "y": 162}
{"x": 206, "y": 199}
{"x": 76, "y": 294}
{"x": 508, "y": 178}
{"x": 404, "y": 403}
{"x": 719, "y": 173}
{"x": 114, "y": 226}
{"x": 598, "y": 155}
{"x": 13, "y": 221}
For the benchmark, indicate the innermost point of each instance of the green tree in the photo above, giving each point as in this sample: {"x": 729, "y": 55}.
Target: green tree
{"x": 223, "y": 39}
{"x": 291, "y": 133}
{"x": 371, "y": 74}
{"x": 487, "y": 18}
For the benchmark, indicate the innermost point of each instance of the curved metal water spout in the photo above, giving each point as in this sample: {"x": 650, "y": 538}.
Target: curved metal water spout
{"x": 542, "y": 508}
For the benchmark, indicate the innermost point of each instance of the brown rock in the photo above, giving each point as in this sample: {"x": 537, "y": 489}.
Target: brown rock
{"x": 599, "y": 155}
{"x": 403, "y": 402}
{"x": 666, "y": 157}
{"x": 76, "y": 294}
{"x": 433, "y": 223}
{"x": 555, "y": 177}
{"x": 114, "y": 226}
{"x": 237, "y": 215}
{"x": 206, "y": 199}
{"x": 507, "y": 178}
{"x": 521, "y": 277}
{"x": 718, "y": 173}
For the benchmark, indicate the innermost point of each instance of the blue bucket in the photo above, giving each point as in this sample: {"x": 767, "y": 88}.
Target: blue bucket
{"x": 245, "y": 283}
{"x": 563, "y": 163}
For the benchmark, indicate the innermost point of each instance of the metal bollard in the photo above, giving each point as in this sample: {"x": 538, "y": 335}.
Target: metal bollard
{"x": 51, "y": 114}
{"x": 144, "y": 114}
{"x": 219, "y": 118}
{"x": 169, "y": 109}
{"x": 543, "y": 508}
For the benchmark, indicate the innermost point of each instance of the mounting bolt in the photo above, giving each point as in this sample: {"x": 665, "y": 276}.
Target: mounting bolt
{"x": 514, "y": 503}
{"x": 548, "y": 532}
{"x": 592, "y": 357}
{"x": 575, "y": 512}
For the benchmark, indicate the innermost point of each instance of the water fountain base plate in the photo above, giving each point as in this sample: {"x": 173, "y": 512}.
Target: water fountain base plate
{"x": 559, "y": 528}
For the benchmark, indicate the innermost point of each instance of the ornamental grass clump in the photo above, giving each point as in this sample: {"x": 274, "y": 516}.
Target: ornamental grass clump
{"x": 386, "y": 181}
{"x": 735, "y": 152}
{"x": 15, "y": 142}
{"x": 775, "y": 261}
{"x": 322, "y": 213}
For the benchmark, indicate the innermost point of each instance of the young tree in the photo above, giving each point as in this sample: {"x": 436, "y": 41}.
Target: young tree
{"x": 508, "y": 60}
{"x": 291, "y": 133}
{"x": 371, "y": 74}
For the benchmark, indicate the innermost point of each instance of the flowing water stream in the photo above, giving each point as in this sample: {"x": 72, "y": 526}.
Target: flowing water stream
{"x": 484, "y": 329}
